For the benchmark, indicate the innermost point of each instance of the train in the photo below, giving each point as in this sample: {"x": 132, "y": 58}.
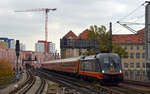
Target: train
{"x": 103, "y": 67}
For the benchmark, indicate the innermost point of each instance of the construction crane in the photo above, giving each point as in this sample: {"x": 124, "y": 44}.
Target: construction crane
{"x": 125, "y": 25}
{"x": 46, "y": 17}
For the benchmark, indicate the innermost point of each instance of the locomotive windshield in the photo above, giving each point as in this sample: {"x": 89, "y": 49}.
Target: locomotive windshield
{"x": 110, "y": 63}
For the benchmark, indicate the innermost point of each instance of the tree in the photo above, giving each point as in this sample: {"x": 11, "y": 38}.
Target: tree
{"x": 102, "y": 35}
{"x": 6, "y": 72}
{"x": 5, "y": 68}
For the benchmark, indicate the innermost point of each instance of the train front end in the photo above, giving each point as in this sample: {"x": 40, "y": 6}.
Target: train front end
{"x": 111, "y": 68}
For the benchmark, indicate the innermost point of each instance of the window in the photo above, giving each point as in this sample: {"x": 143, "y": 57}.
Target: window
{"x": 126, "y": 56}
{"x": 144, "y": 47}
{"x": 137, "y": 47}
{"x": 143, "y": 73}
{"x": 143, "y": 55}
{"x": 106, "y": 60}
{"x": 137, "y": 55}
{"x": 131, "y": 65}
{"x": 90, "y": 65}
{"x": 140, "y": 41}
{"x": 126, "y": 65}
{"x": 132, "y": 55}
{"x": 116, "y": 41}
{"x": 143, "y": 64}
{"x": 128, "y": 41}
{"x": 138, "y": 73}
{"x": 126, "y": 73}
{"x": 131, "y": 73}
{"x": 131, "y": 47}
{"x": 137, "y": 65}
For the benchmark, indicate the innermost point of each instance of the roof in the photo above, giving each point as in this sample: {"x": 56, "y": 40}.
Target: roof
{"x": 130, "y": 38}
{"x": 70, "y": 34}
{"x": 116, "y": 38}
{"x": 84, "y": 34}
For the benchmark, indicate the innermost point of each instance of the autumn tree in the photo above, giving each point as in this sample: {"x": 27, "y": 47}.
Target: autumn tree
{"x": 6, "y": 72}
{"x": 102, "y": 35}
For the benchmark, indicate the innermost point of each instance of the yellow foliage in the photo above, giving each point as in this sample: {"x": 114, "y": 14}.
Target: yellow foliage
{"x": 5, "y": 68}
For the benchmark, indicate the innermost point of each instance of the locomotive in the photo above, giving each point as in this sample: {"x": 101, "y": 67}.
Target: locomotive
{"x": 104, "y": 67}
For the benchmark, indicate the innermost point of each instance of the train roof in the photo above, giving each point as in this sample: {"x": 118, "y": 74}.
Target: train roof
{"x": 80, "y": 58}
{"x": 63, "y": 60}
{"x": 97, "y": 56}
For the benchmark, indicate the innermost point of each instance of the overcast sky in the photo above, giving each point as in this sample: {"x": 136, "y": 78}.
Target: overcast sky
{"x": 75, "y": 15}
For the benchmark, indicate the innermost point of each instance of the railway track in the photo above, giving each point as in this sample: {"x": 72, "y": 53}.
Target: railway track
{"x": 127, "y": 88}
{"x": 145, "y": 84}
{"x": 85, "y": 86}
{"x": 28, "y": 84}
{"x": 71, "y": 83}
{"x": 41, "y": 87}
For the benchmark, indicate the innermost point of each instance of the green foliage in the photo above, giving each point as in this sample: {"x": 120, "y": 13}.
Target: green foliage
{"x": 102, "y": 35}
{"x": 120, "y": 51}
{"x": 90, "y": 52}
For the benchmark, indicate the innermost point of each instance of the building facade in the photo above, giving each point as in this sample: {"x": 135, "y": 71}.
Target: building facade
{"x": 39, "y": 47}
{"x": 52, "y": 48}
{"x": 134, "y": 65}
{"x": 43, "y": 46}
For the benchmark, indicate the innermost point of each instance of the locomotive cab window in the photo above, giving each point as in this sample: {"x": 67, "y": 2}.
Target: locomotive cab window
{"x": 110, "y": 63}
{"x": 89, "y": 65}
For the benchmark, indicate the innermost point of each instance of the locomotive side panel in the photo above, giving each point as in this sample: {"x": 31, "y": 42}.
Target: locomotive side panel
{"x": 90, "y": 68}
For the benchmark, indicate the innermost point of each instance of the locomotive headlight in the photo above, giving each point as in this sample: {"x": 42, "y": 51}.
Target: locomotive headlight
{"x": 120, "y": 71}
{"x": 103, "y": 71}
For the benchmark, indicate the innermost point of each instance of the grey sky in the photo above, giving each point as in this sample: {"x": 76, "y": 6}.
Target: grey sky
{"x": 75, "y": 15}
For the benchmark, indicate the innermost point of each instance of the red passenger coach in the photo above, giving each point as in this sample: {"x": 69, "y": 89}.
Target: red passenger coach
{"x": 104, "y": 67}
{"x": 70, "y": 65}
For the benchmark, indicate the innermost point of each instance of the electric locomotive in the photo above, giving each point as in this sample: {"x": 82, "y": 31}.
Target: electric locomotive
{"x": 104, "y": 67}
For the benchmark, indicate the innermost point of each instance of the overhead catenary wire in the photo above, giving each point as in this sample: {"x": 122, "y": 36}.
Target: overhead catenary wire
{"x": 132, "y": 11}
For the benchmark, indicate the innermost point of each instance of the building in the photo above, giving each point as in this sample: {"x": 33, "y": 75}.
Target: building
{"x": 12, "y": 44}
{"x": 52, "y": 48}
{"x": 7, "y": 43}
{"x": 39, "y": 47}
{"x": 134, "y": 44}
{"x": 74, "y": 46}
{"x": 134, "y": 65}
{"x": 22, "y": 47}
{"x": 43, "y": 46}
{"x": 69, "y": 52}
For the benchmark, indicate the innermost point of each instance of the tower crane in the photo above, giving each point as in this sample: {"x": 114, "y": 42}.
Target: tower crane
{"x": 46, "y": 10}
{"x": 46, "y": 17}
